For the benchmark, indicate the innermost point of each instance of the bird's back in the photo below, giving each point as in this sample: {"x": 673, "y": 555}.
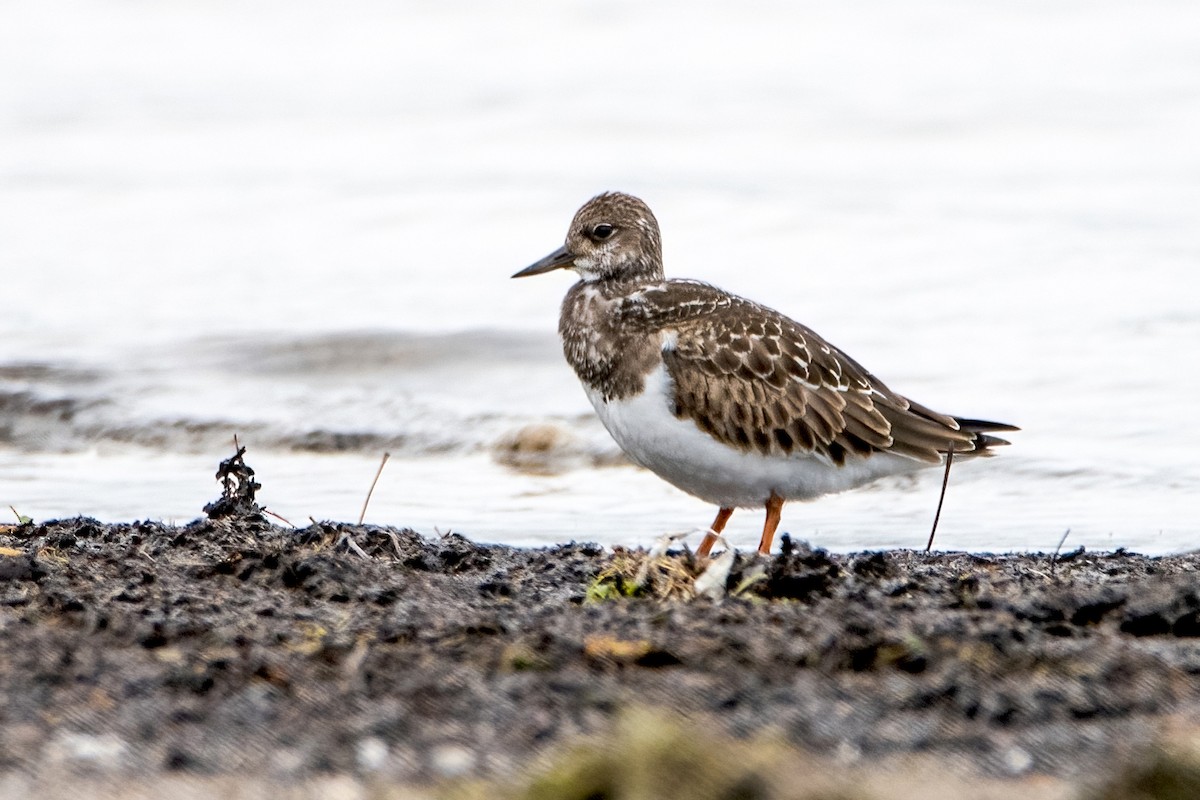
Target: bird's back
{"x": 757, "y": 380}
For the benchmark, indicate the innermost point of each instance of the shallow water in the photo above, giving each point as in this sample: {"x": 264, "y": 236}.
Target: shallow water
{"x": 297, "y": 225}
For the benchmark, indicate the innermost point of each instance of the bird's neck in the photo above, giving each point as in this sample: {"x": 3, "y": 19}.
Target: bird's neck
{"x": 606, "y": 356}
{"x": 627, "y": 274}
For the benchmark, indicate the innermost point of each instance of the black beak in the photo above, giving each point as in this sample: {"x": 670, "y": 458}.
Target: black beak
{"x": 557, "y": 260}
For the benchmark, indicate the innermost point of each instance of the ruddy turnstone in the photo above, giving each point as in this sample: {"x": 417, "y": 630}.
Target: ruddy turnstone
{"x": 727, "y": 399}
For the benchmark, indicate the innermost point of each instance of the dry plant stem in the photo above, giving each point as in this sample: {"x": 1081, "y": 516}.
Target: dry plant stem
{"x": 276, "y": 516}
{"x": 371, "y": 491}
{"x": 1054, "y": 558}
{"x": 941, "y": 498}
{"x": 353, "y": 545}
{"x": 15, "y": 514}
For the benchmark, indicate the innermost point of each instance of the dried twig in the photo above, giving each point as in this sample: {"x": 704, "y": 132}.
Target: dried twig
{"x": 1054, "y": 558}
{"x": 371, "y": 491}
{"x": 395, "y": 543}
{"x": 353, "y": 545}
{"x": 941, "y": 498}
{"x": 276, "y": 516}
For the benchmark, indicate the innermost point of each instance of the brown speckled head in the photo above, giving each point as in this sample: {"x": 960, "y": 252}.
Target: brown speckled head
{"x": 614, "y": 236}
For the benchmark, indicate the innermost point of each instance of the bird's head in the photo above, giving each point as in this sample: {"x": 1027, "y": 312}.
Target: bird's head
{"x": 614, "y": 236}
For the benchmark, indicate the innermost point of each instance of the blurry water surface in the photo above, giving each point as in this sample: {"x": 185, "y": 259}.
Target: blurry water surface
{"x": 296, "y": 222}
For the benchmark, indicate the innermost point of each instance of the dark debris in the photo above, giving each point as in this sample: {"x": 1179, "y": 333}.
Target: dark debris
{"x": 238, "y": 490}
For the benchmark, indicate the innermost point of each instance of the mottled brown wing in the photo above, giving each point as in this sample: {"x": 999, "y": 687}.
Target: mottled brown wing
{"x": 756, "y": 380}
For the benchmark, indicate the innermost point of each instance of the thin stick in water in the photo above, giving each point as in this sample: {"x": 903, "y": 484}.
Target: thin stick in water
{"x": 941, "y": 498}
{"x": 371, "y": 491}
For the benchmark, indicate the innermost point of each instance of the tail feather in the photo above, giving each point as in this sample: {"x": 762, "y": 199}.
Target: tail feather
{"x": 981, "y": 427}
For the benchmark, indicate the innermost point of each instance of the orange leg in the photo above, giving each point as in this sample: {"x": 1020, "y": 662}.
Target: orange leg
{"x": 710, "y": 538}
{"x": 774, "y": 511}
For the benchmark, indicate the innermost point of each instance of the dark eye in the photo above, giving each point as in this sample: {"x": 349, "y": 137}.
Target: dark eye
{"x": 602, "y": 231}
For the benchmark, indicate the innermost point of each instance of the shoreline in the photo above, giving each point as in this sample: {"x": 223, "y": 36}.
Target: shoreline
{"x": 233, "y": 646}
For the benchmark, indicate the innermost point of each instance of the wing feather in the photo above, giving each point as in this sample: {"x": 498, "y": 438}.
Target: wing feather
{"x": 758, "y": 381}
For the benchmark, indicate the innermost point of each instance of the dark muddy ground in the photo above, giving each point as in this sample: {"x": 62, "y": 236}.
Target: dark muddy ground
{"x": 236, "y": 646}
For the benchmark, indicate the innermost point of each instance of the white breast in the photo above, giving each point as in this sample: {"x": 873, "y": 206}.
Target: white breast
{"x": 683, "y": 455}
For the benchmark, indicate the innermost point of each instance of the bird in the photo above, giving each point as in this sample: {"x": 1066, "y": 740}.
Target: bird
{"x": 726, "y": 399}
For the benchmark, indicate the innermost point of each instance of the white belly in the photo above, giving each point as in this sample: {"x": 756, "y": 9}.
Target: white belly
{"x": 683, "y": 455}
